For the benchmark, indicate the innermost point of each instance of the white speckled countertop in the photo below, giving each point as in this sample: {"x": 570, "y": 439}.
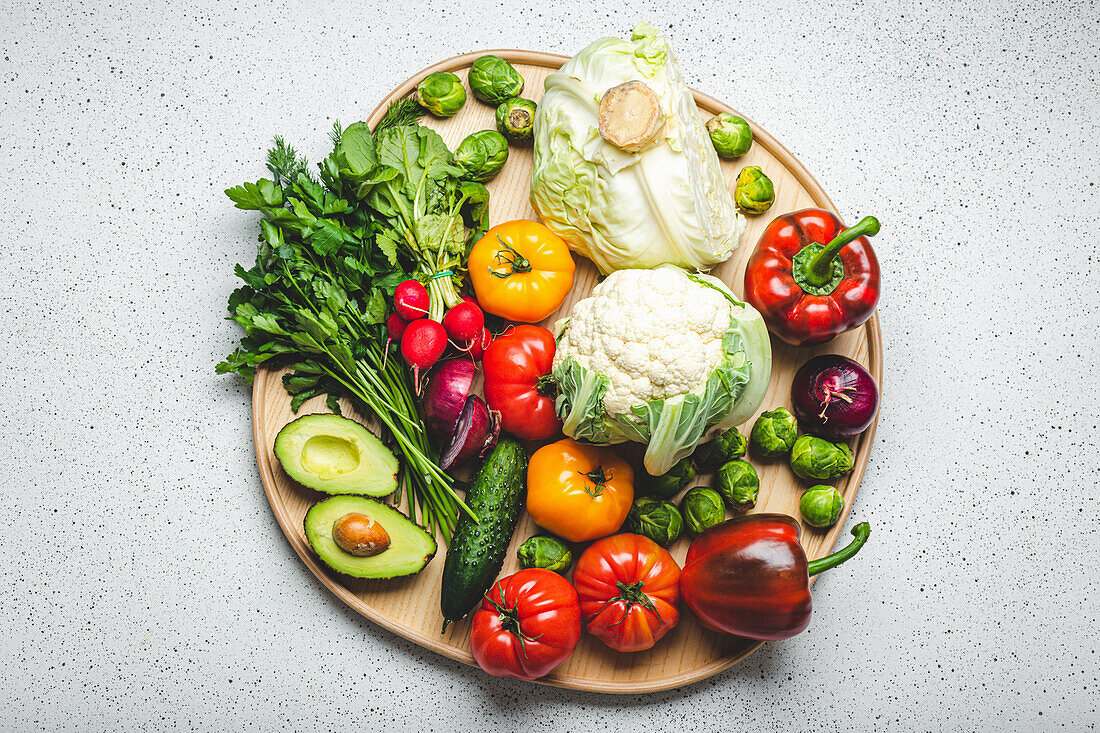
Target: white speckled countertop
{"x": 145, "y": 584}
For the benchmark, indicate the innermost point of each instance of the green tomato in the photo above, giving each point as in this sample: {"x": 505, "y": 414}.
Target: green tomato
{"x": 821, "y": 506}
{"x": 542, "y": 551}
{"x": 516, "y": 120}
{"x": 493, "y": 80}
{"x": 738, "y": 484}
{"x": 441, "y": 93}
{"x": 774, "y": 433}
{"x": 670, "y": 484}
{"x": 702, "y": 508}
{"x": 482, "y": 154}
{"x": 657, "y": 519}
{"x": 726, "y": 447}
{"x": 754, "y": 193}
{"x": 817, "y": 459}
{"x": 730, "y": 134}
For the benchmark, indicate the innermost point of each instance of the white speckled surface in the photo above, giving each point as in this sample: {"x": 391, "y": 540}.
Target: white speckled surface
{"x": 145, "y": 584}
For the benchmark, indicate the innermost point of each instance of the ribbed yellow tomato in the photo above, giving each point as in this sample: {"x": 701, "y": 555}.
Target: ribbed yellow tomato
{"x": 578, "y": 492}
{"x": 521, "y": 271}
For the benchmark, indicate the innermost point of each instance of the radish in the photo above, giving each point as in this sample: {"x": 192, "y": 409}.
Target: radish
{"x": 410, "y": 300}
{"x": 422, "y": 344}
{"x": 464, "y": 324}
{"x": 477, "y": 348}
{"x": 395, "y": 327}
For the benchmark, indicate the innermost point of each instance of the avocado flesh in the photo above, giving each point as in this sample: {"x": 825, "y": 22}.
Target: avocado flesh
{"x": 411, "y": 547}
{"x": 335, "y": 455}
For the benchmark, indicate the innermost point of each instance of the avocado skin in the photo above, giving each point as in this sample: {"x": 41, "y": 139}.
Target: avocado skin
{"x": 477, "y": 549}
{"x": 411, "y": 547}
{"x": 376, "y": 474}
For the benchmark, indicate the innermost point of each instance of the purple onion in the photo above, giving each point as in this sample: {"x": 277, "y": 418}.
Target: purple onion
{"x": 445, "y": 395}
{"x": 476, "y": 431}
{"x": 834, "y": 397}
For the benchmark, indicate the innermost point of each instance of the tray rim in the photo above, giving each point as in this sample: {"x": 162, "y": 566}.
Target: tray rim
{"x": 289, "y": 527}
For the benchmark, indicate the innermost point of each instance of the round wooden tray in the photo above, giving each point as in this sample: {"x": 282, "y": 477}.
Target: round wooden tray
{"x": 410, "y": 606}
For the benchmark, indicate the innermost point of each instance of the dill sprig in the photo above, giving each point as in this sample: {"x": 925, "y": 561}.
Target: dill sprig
{"x": 401, "y": 112}
{"x": 285, "y": 164}
{"x": 336, "y": 132}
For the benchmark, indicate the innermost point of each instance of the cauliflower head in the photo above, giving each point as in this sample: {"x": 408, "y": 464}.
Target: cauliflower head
{"x": 659, "y": 357}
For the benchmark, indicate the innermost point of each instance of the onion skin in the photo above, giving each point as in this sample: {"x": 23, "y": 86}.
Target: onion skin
{"x": 445, "y": 395}
{"x": 834, "y": 397}
{"x": 476, "y": 431}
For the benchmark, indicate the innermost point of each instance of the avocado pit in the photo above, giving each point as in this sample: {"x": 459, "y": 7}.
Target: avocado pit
{"x": 360, "y": 535}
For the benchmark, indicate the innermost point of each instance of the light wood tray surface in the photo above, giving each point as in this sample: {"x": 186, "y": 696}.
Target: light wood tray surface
{"x": 410, "y": 606}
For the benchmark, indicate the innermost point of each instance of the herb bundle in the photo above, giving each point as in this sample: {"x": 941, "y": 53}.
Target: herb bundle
{"x": 332, "y": 249}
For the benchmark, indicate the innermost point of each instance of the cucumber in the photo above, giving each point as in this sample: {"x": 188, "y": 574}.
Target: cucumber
{"x": 477, "y": 549}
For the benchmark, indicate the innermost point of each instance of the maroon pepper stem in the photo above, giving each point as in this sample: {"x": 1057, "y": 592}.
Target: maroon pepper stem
{"x": 861, "y": 532}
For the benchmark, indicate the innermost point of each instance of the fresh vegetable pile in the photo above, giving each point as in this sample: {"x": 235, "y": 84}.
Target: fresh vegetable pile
{"x": 378, "y": 277}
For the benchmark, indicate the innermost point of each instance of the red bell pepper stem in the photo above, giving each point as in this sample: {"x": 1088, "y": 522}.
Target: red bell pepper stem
{"x": 820, "y": 267}
{"x": 861, "y": 532}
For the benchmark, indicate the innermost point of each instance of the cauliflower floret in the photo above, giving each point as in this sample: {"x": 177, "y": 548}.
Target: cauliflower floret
{"x": 654, "y": 334}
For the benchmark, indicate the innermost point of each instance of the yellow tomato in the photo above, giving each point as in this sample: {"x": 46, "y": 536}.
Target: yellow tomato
{"x": 578, "y": 492}
{"x": 521, "y": 271}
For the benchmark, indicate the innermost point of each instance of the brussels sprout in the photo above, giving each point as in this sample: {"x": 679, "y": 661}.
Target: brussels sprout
{"x": 726, "y": 447}
{"x": 669, "y": 484}
{"x": 516, "y": 120}
{"x": 738, "y": 484}
{"x": 702, "y": 508}
{"x": 821, "y": 506}
{"x": 774, "y": 433}
{"x": 819, "y": 460}
{"x": 657, "y": 519}
{"x": 441, "y": 93}
{"x": 482, "y": 154}
{"x": 493, "y": 80}
{"x": 754, "y": 193}
{"x": 542, "y": 551}
{"x": 730, "y": 134}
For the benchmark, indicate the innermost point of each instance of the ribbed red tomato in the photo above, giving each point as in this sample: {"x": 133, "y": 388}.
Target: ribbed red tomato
{"x": 629, "y": 590}
{"x": 518, "y": 383}
{"x": 527, "y": 625}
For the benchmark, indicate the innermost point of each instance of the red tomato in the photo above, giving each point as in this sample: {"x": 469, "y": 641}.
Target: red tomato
{"x": 629, "y": 590}
{"x": 518, "y": 384}
{"x": 527, "y": 624}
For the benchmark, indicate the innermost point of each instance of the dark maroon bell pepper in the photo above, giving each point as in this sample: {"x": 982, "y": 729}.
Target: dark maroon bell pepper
{"x": 749, "y": 576}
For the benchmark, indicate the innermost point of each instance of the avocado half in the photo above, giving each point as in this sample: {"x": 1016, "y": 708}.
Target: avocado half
{"x": 410, "y": 545}
{"x": 335, "y": 455}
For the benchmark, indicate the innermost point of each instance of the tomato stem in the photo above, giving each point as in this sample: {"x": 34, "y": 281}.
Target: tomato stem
{"x": 518, "y": 264}
{"x": 599, "y": 478}
{"x": 631, "y": 595}
{"x": 547, "y": 386}
{"x": 509, "y": 621}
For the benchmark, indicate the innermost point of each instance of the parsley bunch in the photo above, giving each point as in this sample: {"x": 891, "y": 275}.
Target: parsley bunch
{"x": 331, "y": 251}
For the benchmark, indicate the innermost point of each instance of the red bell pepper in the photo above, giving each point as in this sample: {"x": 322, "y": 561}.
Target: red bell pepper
{"x": 811, "y": 278}
{"x": 749, "y": 576}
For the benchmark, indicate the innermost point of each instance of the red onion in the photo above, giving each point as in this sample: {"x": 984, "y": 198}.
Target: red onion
{"x": 476, "y": 432}
{"x": 445, "y": 395}
{"x": 834, "y": 397}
